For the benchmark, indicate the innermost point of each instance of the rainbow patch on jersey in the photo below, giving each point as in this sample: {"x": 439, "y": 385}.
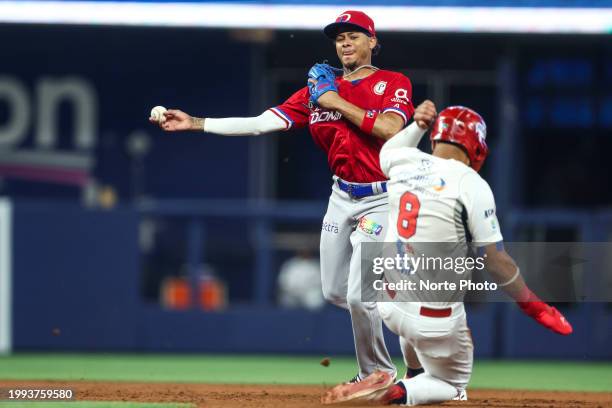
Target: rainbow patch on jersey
{"x": 369, "y": 227}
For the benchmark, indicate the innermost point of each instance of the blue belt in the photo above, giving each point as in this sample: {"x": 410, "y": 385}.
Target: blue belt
{"x": 362, "y": 190}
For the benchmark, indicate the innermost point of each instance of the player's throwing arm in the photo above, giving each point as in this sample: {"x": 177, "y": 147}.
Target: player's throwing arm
{"x": 174, "y": 120}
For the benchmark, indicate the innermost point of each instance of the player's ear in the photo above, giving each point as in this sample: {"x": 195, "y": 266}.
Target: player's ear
{"x": 374, "y": 46}
{"x": 373, "y": 42}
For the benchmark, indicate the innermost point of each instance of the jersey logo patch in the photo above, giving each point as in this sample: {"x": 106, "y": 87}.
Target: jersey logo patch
{"x": 380, "y": 87}
{"x": 401, "y": 96}
{"x": 369, "y": 227}
{"x": 441, "y": 185}
{"x": 494, "y": 224}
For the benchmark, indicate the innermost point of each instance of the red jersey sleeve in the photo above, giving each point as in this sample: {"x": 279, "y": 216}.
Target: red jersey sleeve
{"x": 398, "y": 98}
{"x": 294, "y": 111}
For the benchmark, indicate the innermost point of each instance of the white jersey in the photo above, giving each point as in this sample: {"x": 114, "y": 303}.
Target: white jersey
{"x": 440, "y": 200}
{"x": 435, "y": 200}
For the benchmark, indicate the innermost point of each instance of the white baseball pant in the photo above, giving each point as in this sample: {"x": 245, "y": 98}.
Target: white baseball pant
{"x": 443, "y": 345}
{"x": 348, "y": 223}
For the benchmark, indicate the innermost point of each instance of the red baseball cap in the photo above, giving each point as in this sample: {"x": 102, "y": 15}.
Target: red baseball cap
{"x": 351, "y": 20}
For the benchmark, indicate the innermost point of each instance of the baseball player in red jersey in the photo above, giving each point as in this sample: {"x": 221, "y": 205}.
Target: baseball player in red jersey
{"x": 440, "y": 198}
{"x": 350, "y": 113}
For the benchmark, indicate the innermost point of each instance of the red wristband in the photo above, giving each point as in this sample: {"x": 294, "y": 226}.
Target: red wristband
{"x": 367, "y": 124}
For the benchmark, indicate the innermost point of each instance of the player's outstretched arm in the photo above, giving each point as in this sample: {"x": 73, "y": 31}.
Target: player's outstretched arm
{"x": 508, "y": 276}
{"x": 410, "y": 136}
{"x": 175, "y": 120}
{"x": 425, "y": 114}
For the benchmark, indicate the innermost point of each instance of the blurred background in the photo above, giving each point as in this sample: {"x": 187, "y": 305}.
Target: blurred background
{"x": 117, "y": 237}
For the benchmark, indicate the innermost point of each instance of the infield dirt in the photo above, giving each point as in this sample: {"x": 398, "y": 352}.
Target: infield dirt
{"x": 292, "y": 396}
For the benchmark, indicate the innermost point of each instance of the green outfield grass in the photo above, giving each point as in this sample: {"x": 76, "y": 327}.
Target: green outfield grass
{"x": 249, "y": 369}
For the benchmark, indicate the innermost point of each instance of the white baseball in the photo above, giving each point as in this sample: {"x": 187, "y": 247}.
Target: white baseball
{"x": 157, "y": 113}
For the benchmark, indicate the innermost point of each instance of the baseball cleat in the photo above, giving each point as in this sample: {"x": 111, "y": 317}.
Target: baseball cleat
{"x": 461, "y": 396}
{"x": 368, "y": 389}
{"x": 356, "y": 379}
{"x": 395, "y": 394}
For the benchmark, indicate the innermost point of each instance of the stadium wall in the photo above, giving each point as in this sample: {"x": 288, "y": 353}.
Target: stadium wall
{"x": 81, "y": 292}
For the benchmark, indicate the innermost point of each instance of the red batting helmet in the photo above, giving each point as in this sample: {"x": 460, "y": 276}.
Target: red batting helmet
{"x": 464, "y": 127}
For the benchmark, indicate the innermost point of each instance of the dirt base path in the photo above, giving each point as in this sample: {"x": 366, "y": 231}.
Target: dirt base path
{"x": 289, "y": 396}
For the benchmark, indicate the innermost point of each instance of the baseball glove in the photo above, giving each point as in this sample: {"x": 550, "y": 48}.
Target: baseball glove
{"x": 321, "y": 79}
